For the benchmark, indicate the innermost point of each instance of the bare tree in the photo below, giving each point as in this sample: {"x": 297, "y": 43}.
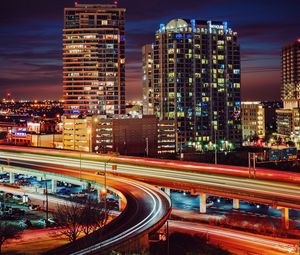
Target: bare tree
{"x": 76, "y": 218}
{"x": 88, "y": 219}
{"x": 69, "y": 217}
{"x": 8, "y": 231}
{"x": 93, "y": 216}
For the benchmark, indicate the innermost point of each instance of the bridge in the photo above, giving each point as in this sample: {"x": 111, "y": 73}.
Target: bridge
{"x": 144, "y": 207}
{"x": 201, "y": 179}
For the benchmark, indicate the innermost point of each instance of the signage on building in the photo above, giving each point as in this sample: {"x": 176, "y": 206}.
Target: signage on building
{"x": 20, "y": 134}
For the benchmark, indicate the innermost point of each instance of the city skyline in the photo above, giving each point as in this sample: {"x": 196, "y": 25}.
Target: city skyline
{"x": 33, "y": 69}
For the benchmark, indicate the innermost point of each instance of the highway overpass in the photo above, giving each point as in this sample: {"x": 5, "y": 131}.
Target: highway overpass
{"x": 202, "y": 179}
{"x": 147, "y": 208}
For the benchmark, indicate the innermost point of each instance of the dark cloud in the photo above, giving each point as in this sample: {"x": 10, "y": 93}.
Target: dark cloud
{"x": 31, "y": 40}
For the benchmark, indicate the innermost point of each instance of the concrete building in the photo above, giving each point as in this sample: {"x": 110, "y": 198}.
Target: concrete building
{"x": 288, "y": 117}
{"x": 196, "y": 81}
{"x": 148, "y": 89}
{"x": 144, "y": 136}
{"x": 166, "y": 137}
{"x": 46, "y": 140}
{"x": 288, "y": 122}
{"x": 253, "y": 120}
{"x": 77, "y": 134}
{"x": 94, "y": 60}
{"x": 290, "y": 61}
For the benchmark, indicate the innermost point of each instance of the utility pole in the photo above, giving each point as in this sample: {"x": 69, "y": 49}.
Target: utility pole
{"x": 216, "y": 155}
{"x": 147, "y": 146}
{"x": 252, "y": 164}
{"x": 80, "y": 165}
{"x": 105, "y": 188}
{"x": 168, "y": 238}
{"x": 47, "y": 202}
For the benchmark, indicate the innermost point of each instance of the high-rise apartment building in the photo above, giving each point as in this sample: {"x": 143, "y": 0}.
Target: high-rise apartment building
{"x": 290, "y": 61}
{"x": 196, "y": 81}
{"x": 148, "y": 89}
{"x": 94, "y": 60}
{"x": 288, "y": 118}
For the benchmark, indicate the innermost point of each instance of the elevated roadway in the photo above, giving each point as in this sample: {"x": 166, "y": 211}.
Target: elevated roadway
{"x": 275, "y": 192}
{"x": 146, "y": 210}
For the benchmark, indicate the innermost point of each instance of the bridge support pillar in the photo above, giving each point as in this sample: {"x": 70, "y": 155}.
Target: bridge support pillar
{"x": 285, "y": 217}
{"x": 11, "y": 177}
{"x": 53, "y": 185}
{"x": 99, "y": 195}
{"x": 202, "y": 203}
{"x": 236, "y": 204}
{"x": 84, "y": 185}
{"x": 168, "y": 191}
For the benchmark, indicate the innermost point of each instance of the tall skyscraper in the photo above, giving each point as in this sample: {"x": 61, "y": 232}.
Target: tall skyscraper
{"x": 94, "y": 60}
{"x": 148, "y": 89}
{"x": 288, "y": 118}
{"x": 196, "y": 81}
{"x": 290, "y": 63}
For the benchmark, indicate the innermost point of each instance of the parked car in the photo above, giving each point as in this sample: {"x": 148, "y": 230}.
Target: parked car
{"x": 63, "y": 191}
{"x": 79, "y": 194}
{"x": 9, "y": 195}
{"x": 43, "y": 223}
{"x": 17, "y": 197}
{"x": 33, "y": 207}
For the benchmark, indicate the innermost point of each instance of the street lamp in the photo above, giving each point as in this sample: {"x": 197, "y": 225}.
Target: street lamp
{"x": 80, "y": 165}
{"x": 147, "y": 146}
{"x": 216, "y": 157}
{"x": 105, "y": 187}
{"x": 89, "y": 131}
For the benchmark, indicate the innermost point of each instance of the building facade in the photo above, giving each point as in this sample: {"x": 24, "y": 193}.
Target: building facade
{"x": 77, "y": 134}
{"x": 148, "y": 89}
{"x": 196, "y": 81}
{"x": 288, "y": 122}
{"x": 146, "y": 136}
{"x": 288, "y": 117}
{"x": 94, "y": 60}
{"x": 290, "y": 63}
{"x": 253, "y": 120}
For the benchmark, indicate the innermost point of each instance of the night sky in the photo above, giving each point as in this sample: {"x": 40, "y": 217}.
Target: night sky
{"x": 31, "y": 41}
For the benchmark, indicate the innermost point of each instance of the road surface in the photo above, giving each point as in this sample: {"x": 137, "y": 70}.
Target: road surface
{"x": 238, "y": 242}
{"x": 274, "y": 193}
{"x": 147, "y": 208}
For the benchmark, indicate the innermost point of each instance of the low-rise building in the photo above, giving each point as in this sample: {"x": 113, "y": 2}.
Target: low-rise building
{"x": 140, "y": 136}
{"x": 253, "y": 120}
{"x": 288, "y": 122}
{"x": 145, "y": 136}
{"x": 77, "y": 134}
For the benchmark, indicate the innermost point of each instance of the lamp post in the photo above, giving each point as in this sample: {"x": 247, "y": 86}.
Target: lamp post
{"x": 46, "y": 202}
{"x": 89, "y": 139}
{"x": 147, "y": 146}
{"x": 105, "y": 188}
{"x": 216, "y": 156}
{"x": 80, "y": 165}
